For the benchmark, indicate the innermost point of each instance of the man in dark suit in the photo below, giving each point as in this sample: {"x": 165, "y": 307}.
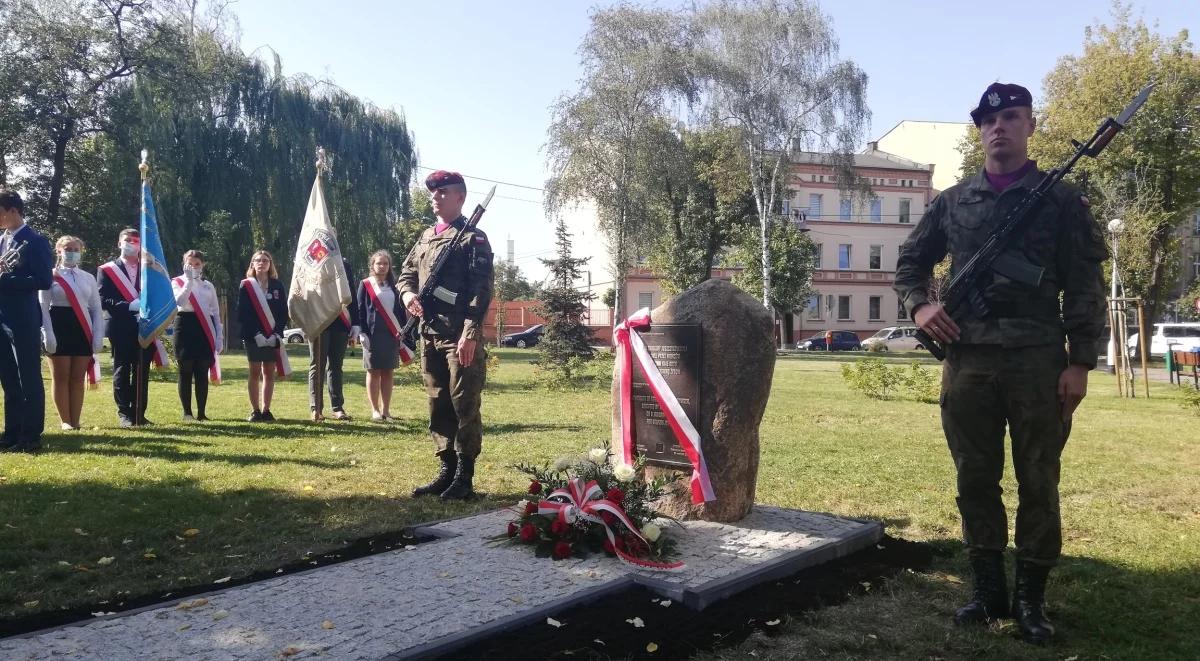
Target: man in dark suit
{"x": 339, "y": 334}
{"x": 25, "y": 268}
{"x": 120, "y": 283}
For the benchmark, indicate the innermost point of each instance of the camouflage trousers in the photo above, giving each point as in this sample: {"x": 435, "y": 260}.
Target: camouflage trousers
{"x": 985, "y": 388}
{"x": 454, "y": 396}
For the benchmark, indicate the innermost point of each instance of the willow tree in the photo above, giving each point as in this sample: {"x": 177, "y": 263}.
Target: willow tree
{"x": 773, "y": 70}
{"x": 634, "y": 61}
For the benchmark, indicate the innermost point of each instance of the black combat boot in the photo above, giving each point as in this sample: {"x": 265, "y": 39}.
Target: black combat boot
{"x": 460, "y": 488}
{"x": 444, "y": 477}
{"x": 1029, "y": 603}
{"x": 990, "y": 599}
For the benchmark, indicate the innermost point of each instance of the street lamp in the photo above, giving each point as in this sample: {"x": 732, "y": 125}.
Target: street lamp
{"x": 1115, "y": 226}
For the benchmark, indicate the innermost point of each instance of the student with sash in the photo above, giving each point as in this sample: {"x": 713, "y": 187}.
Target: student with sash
{"x": 199, "y": 336}
{"x": 25, "y": 269}
{"x": 262, "y": 316}
{"x": 120, "y": 285}
{"x": 336, "y": 338}
{"x": 382, "y": 317}
{"x": 72, "y": 331}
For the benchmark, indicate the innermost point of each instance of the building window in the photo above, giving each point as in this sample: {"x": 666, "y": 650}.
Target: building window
{"x": 1196, "y": 224}
{"x": 901, "y": 311}
{"x": 844, "y": 208}
{"x": 645, "y": 299}
{"x": 876, "y": 210}
{"x": 814, "y": 307}
{"x": 814, "y": 205}
{"x": 843, "y": 256}
{"x": 787, "y": 207}
{"x": 923, "y": 182}
{"x": 891, "y": 182}
{"x": 905, "y": 206}
{"x": 817, "y": 256}
{"x": 873, "y": 304}
{"x": 1196, "y": 265}
{"x": 843, "y": 308}
{"x": 876, "y": 259}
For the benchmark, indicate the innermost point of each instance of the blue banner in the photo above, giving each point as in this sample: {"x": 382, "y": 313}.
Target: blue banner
{"x": 157, "y": 300}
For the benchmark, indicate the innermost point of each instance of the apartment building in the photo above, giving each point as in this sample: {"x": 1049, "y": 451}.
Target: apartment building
{"x": 858, "y": 239}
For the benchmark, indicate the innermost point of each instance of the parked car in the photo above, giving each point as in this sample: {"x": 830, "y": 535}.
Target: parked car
{"x": 842, "y": 341}
{"x": 294, "y": 336}
{"x": 526, "y": 338}
{"x": 893, "y": 338}
{"x": 1181, "y": 336}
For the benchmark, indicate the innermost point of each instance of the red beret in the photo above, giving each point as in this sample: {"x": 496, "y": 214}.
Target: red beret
{"x": 441, "y": 178}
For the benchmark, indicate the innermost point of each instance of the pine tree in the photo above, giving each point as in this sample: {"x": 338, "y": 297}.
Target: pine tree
{"x": 563, "y": 306}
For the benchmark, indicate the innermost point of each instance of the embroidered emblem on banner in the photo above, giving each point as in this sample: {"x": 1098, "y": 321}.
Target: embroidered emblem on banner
{"x": 319, "y": 248}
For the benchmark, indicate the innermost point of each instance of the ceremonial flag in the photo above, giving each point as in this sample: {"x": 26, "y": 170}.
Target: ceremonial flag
{"x": 156, "y": 297}
{"x": 320, "y": 286}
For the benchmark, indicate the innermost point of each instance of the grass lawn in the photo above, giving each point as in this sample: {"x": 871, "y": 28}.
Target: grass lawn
{"x": 180, "y": 504}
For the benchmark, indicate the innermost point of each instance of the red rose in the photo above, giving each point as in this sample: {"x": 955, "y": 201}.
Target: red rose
{"x": 512, "y": 529}
{"x": 528, "y": 532}
{"x": 620, "y": 545}
{"x": 531, "y": 508}
{"x": 535, "y": 487}
{"x": 616, "y": 495}
{"x": 634, "y": 545}
{"x": 608, "y": 518}
{"x": 559, "y": 527}
{"x": 609, "y": 548}
{"x": 562, "y": 550}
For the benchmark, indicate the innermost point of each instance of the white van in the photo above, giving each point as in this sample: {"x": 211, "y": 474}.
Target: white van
{"x": 1180, "y": 336}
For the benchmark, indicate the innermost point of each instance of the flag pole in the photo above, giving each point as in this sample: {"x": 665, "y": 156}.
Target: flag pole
{"x": 322, "y": 166}
{"x": 139, "y": 381}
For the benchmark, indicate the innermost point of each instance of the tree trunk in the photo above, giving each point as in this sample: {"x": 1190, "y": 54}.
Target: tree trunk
{"x": 57, "y": 175}
{"x": 3, "y": 170}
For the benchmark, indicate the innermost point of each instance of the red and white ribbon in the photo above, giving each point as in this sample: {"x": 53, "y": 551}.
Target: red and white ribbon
{"x": 214, "y": 370}
{"x": 130, "y": 293}
{"x": 85, "y": 321}
{"x": 258, "y": 300}
{"x": 587, "y": 502}
{"x": 389, "y": 318}
{"x": 630, "y": 345}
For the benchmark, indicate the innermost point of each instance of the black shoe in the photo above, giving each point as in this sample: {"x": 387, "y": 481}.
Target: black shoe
{"x": 1029, "y": 603}
{"x": 444, "y": 477}
{"x": 460, "y": 488}
{"x": 255, "y": 416}
{"x": 125, "y": 422}
{"x": 267, "y": 417}
{"x": 202, "y": 417}
{"x": 142, "y": 421}
{"x": 990, "y": 599}
{"x": 6, "y": 443}
{"x": 30, "y": 447}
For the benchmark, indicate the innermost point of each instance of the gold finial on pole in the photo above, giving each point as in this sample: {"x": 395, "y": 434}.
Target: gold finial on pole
{"x": 144, "y": 166}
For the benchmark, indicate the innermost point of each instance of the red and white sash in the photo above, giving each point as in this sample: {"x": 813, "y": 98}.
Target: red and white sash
{"x": 389, "y": 318}
{"x": 266, "y": 320}
{"x": 214, "y": 370}
{"x": 85, "y": 321}
{"x": 130, "y": 294}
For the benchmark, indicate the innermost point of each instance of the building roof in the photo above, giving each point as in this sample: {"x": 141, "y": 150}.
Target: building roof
{"x": 869, "y": 159}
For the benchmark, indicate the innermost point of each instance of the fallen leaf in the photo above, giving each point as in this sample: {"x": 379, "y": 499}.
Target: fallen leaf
{"x": 81, "y": 567}
{"x": 223, "y": 580}
{"x": 597, "y": 640}
{"x": 665, "y": 603}
{"x": 308, "y": 487}
{"x": 652, "y": 647}
{"x": 194, "y": 603}
{"x": 381, "y": 493}
{"x": 102, "y": 613}
{"x": 184, "y": 627}
{"x": 64, "y": 563}
{"x": 126, "y": 541}
{"x": 443, "y": 574}
{"x": 149, "y": 556}
{"x": 1072, "y": 658}
{"x": 410, "y": 547}
{"x": 516, "y": 600}
{"x": 191, "y": 532}
{"x": 772, "y": 623}
{"x": 866, "y": 585}
{"x": 553, "y": 622}
{"x": 80, "y": 531}
{"x": 290, "y": 650}
{"x": 31, "y": 604}
{"x": 9, "y": 525}
{"x": 636, "y": 622}
{"x": 106, "y": 560}
{"x": 327, "y": 624}
{"x": 220, "y": 615}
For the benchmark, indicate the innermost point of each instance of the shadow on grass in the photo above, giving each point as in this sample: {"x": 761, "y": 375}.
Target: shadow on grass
{"x": 140, "y": 528}
{"x": 163, "y": 449}
{"x": 525, "y": 427}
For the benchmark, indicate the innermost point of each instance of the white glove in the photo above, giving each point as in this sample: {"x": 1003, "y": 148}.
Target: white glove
{"x": 135, "y": 305}
{"x": 362, "y": 339}
{"x": 260, "y": 340}
{"x": 273, "y": 341}
{"x": 49, "y": 341}
{"x": 355, "y": 331}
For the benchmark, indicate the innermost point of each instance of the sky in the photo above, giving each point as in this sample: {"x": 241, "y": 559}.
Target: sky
{"x": 477, "y": 80}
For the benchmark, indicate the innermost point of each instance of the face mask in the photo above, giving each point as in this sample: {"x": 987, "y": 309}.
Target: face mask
{"x": 130, "y": 249}
{"x": 195, "y": 272}
{"x": 71, "y": 258}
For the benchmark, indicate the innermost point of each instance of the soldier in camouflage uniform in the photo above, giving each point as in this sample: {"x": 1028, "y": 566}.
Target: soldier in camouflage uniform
{"x": 453, "y": 360}
{"x": 1025, "y": 364}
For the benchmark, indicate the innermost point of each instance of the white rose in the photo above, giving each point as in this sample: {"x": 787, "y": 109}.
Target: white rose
{"x": 651, "y": 532}
{"x": 598, "y": 455}
{"x": 562, "y": 463}
{"x": 522, "y": 505}
{"x": 624, "y": 472}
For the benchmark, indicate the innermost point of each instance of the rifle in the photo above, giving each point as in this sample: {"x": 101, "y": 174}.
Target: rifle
{"x": 431, "y": 289}
{"x": 962, "y": 287}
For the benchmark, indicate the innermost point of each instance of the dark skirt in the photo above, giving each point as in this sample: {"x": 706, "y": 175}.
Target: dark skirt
{"x": 381, "y": 352}
{"x": 257, "y": 354}
{"x": 190, "y": 341}
{"x": 69, "y": 333}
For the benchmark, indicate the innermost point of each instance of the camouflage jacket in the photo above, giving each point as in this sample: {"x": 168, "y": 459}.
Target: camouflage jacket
{"x": 1062, "y": 238}
{"x": 467, "y": 273}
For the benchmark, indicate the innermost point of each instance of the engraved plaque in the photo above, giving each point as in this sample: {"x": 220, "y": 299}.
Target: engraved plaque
{"x": 676, "y": 351}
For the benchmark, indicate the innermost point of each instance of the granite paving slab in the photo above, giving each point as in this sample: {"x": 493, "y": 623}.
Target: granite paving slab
{"x": 427, "y": 600}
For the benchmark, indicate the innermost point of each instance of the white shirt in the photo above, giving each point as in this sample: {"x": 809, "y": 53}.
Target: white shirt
{"x": 387, "y": 295}
{"x": 206, "y": 296}
{"x": 87, "y": 291}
